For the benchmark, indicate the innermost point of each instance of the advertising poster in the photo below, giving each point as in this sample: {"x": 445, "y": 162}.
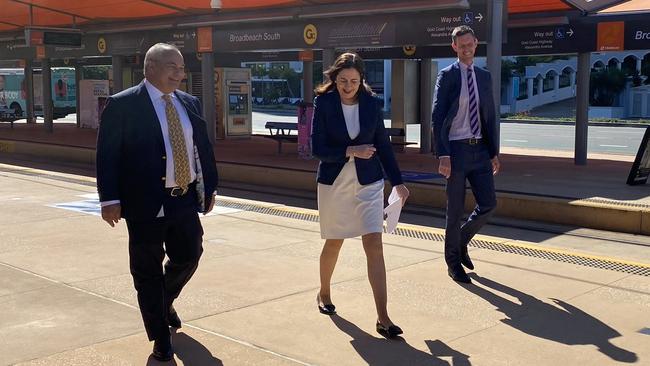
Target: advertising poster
{"x": 305, "y": 113}
{"x": 92, "y": 98}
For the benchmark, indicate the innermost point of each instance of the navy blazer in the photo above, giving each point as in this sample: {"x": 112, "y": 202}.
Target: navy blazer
{"x": 445, "y": 107}
{"x": 131, "y": 158}
{"x": 330, "y": 139}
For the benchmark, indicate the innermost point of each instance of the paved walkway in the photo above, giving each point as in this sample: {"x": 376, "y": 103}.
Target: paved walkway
{"x": 66, "y": 296}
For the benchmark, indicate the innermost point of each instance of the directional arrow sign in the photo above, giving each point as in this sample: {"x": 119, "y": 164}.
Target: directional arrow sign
{"x": 570, "y": 32}
{"x": 479, "y": 17}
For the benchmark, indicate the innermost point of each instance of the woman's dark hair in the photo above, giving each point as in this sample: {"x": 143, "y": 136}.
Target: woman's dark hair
{"x": 348, "y": 60}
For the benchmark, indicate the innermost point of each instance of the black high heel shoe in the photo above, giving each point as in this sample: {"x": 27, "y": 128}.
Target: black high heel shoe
{"x": 327, "y": 309}
{"x": 390, "y": 331}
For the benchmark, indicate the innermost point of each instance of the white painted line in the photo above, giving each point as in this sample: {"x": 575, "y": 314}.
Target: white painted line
{"x": 516, "y": 140}
{"x": 91, "y": 206}
{"x": 621, "y": 146}
{"x": 103, "y": 297}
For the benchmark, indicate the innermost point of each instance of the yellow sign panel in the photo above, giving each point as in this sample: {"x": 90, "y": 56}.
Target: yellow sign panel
{"x": 310, "y": 34}
{"x": 409, "y": 50}
{"x": 101, "y": 45}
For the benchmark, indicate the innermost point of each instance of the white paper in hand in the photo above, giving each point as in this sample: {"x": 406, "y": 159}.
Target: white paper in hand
{"x": 393, "y": 211}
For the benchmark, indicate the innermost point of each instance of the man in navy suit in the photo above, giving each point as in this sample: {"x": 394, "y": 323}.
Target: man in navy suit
{"x": 467, "y": 146}
{"x": 156, "y": 169}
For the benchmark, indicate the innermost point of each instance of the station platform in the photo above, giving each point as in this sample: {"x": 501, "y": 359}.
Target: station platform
{"x": 542, "y": 186}
{"x": 537, "y": 298}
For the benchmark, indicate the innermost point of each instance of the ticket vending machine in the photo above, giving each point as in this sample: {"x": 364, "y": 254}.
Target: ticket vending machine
{"x": 233, "y": 102}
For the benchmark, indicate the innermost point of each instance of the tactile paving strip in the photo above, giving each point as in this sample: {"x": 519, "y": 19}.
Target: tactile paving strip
{"x": 558, "y": 256}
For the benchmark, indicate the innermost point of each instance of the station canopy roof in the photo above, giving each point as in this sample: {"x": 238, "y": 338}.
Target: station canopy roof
{"x": 18, "y": 14}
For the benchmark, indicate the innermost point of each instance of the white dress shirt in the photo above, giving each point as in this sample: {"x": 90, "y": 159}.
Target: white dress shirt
{"x": 460, "y": 126}
{"x": 159, "y": 105}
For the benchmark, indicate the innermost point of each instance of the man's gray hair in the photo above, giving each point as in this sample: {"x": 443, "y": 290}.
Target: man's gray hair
{"x": 154, "y": 53}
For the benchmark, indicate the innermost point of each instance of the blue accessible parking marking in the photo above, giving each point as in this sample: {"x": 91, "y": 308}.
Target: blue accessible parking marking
{"x": 91, "y": 206}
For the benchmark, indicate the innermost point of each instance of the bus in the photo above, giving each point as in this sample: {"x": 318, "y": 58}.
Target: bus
{"x": 13, "y": 103}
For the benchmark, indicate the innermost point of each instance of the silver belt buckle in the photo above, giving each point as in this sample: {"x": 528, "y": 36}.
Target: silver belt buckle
{"x": 176, "y": 191}
{"x": 473, "y": 141}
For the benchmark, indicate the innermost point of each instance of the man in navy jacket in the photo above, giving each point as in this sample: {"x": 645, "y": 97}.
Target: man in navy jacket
{"x": 467, "y": 146}
{"x": 156, "y": 169}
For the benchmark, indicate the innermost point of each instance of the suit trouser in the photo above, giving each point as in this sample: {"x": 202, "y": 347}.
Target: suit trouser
{"x": 157, "y": 286}
{"x": 471, "y": 163}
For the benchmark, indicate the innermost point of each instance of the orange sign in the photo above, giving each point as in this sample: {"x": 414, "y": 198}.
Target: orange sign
{"x": 40, "y": 52}
{"x": 306, "y": 55}
{"x": 204, "y": 41}
{"x": 611, "y": 36}
{"x": 35, "y": 37}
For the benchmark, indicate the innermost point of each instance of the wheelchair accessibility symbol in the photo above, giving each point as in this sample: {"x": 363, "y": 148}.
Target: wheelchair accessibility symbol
{"x": 468, "y": 17}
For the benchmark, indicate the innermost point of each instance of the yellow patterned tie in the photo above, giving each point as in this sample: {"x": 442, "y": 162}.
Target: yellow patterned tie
{"x": 177, "y": 139}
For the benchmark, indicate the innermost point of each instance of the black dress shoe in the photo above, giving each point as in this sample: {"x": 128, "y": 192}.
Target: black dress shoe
{"x": 459, "y": 275}
{"x": 327, "y": 309}
{"x": 466, "y": 261}
{"x": 390, "y": 331}
{"x": 172, "y": 318}
{"x": 162, "y": 349}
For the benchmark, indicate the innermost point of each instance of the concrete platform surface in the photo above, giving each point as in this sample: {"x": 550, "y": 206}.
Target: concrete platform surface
{"x": 538, "y": 298}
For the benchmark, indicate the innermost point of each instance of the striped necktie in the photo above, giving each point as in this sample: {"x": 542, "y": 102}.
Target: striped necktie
{"x": 474, "y": 123}
{"x": 177, "y": 140}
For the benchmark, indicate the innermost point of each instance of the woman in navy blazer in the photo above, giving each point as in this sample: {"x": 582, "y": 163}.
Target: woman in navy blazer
{"x": 349, "y": 138}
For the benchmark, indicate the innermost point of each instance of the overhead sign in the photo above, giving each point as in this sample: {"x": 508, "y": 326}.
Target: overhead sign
{"x": 205, "y": 39}
{"x": 53, "y": 37}
{"x": 550, "y": 40}
{"x": 40, "y": 52}
{"x": 414, "y": 29}
{"x": 306, "y": 55}
{"x": 15, "y": 50}
{"x": 33, "y": 37}
{"x": 70, "y": 39}
{"x": 267, "y": 36}
{"x": 128, "y": 43}
{"x": 310, "y": 34}
{"x": 637, "y": 35}
{"x": 434, "y": 28}
{"x": 356, "y": 31}
{"x": 390, "y": 30}
{"x": 611, "y": 36}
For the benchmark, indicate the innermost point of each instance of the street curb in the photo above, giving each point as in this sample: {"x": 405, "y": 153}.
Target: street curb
{"x": 610, "y": 216}
{"x": 566, "y": 123}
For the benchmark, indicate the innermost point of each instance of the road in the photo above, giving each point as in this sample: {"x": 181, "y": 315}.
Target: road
{"x": 603, "y": 140}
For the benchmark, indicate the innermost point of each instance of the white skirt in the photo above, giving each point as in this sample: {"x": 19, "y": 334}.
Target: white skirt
{"x": 348, "y": 209}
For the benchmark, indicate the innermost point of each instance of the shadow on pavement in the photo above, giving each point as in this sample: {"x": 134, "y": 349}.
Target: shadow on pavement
{"x": 562, "y": 323}
{"x": 189, "y": 351}
{"x": 380, "y": 351}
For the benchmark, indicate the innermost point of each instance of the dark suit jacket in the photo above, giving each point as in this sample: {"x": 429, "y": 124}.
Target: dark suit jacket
{"x": 445, "y": 108}
{"x": 131, "y": 158}
{"x": 330, "y": 140}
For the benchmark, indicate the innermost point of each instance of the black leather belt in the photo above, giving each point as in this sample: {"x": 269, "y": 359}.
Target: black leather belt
{"x": 178, "y": 191}
{"x": 471, "y": 141}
